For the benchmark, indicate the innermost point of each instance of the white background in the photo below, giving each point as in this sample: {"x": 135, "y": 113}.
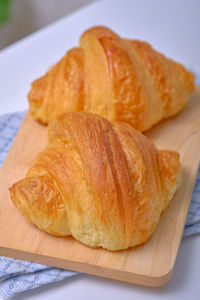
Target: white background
{"x": 172, "y": 27}
{"x": 27, "y": 16}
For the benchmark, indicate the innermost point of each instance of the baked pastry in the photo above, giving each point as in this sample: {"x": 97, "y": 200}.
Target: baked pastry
{"x": 103, "y": 183}
{"x": 120, "y": 79}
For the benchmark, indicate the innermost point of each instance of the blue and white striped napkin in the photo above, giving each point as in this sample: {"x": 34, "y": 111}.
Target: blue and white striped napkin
{"x": 16, "y": 275}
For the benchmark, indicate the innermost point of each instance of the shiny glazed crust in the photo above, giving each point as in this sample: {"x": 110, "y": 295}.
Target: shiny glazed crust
{"x": 120, "y": 79}
{"x": 103, "y": 183}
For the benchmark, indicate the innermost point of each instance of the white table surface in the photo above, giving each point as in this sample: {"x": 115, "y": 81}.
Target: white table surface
{"x": 172, "y": 27}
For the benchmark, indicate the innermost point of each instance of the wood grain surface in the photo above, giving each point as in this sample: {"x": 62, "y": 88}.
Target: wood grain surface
{"x": 150, "y": 264}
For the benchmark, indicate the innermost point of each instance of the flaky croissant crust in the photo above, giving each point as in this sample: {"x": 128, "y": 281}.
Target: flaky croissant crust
{"x": 103, "y": 183}
{"x": 120, "y": 79}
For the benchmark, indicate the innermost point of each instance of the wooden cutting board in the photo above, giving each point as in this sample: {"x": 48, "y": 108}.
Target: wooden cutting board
{"x": 150, "y": 264}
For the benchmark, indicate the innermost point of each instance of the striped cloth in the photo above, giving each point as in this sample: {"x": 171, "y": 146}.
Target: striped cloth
{"x": 17, "y": 276}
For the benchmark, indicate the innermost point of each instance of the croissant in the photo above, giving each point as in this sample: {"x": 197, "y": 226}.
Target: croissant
{"x": 120, "y": 79}
{"x": 103, "y": 183}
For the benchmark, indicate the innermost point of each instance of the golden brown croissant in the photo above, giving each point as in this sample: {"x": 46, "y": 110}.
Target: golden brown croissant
{"x": 123, "y": 80}
{"x": 103, "y": 183}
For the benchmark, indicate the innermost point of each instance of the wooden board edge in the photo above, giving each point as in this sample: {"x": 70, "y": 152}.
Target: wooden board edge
{"x": 104, "y": 272}
{"x": 186, "y": 210}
